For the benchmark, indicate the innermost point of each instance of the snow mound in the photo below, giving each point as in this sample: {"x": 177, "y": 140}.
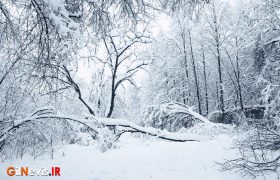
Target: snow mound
{"x": 137, "y": 160}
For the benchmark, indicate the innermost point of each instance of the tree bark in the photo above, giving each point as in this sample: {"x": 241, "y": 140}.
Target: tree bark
{"x": 113, "y": 90}
{"x": 218, "y": 51}
{"x": 205, "y": 81}
{"x": 187, "y": 94}
{"x": 238, "y": 76}
{"x": 195, "y": 73}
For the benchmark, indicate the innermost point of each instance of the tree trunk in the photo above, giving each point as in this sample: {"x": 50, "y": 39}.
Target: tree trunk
{"x": 221, "y": 90}
{"x": 238, "y": 77}
{"x": 183, "y": 36}
{"x": 205, "y": 81}
{"x": 195, "y": 73}
{"x": 218, "y": 51}
{"x": 113, "y": 91}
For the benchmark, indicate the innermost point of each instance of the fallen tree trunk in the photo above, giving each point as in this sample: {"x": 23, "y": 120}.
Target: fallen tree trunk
{"x": 92, "y": 124}
{"x": 134, "y": 128}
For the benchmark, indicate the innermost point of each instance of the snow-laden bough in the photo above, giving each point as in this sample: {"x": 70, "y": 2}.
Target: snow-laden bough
{"x": 95, "y": 124}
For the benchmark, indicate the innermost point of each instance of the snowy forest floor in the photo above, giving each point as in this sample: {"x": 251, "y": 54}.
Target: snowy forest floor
{"x": 136, "y": 158}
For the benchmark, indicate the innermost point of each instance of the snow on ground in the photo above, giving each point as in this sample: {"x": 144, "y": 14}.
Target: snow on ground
{"x": 136, "y": 159}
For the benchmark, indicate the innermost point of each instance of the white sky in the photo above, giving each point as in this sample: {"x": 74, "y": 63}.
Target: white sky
{"x": 161, "y": 25}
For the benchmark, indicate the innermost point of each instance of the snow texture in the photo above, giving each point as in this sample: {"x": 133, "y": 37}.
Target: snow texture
{"x": 138, "y": 160}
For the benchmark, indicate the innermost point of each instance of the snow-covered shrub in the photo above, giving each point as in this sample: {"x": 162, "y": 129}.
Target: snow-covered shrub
{"x": 83, "y": 138}
{"x": 169, "y": 116}
{"x": 259, "y": 151}
{"x": 36, "y": 139}
{"x": 83, "y": 135}
{"x": 230, "y": 117}
{"x": 106, "y": 139}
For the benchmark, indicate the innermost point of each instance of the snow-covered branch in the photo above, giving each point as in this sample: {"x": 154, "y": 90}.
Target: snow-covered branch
{"x": 93, "y": 124}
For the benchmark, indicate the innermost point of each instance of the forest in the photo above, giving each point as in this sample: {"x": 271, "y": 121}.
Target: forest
{"x": 139, "y": 89}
